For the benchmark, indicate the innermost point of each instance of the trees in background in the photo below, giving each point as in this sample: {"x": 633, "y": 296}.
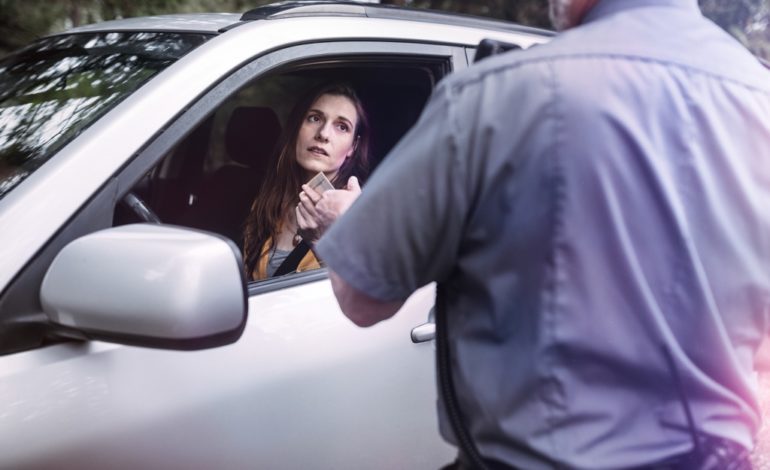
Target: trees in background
{"x": 528, "y": 12}
{"x": 21, "y": 21}
{"x": 747, "y": 20}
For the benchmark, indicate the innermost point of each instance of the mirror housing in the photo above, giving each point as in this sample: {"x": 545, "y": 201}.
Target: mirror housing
{"x": 148, "y": 285}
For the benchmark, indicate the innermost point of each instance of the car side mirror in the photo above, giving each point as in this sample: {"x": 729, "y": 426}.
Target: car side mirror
{"x": 148, "y": 285}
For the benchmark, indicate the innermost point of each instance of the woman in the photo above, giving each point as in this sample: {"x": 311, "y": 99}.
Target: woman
{"x": 327, "y": 131}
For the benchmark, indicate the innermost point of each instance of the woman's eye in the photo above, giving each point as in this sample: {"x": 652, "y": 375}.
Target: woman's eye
{"x": 343, "y": 127}
{"x": 313, "y": 118}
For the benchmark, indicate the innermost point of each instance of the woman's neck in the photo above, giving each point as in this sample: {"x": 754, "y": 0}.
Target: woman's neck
{"x": 285, "y": 236}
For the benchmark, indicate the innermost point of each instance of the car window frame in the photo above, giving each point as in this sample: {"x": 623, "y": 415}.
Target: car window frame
{"x": 455, "y": 57}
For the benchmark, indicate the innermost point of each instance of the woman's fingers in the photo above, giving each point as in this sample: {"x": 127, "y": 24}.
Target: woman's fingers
{"x": 307, "y": 203}
{"x": 305, "y": 220}
{"x": 335, "y": 203}
{"x": 312, "y": 194}
{"x": 301, "y": 221}
{"x": 316, "y": 211}
{"x": 307, "y": 226}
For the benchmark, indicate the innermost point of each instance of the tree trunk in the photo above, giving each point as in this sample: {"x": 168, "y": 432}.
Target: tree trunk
{"x": 75, "y": 13}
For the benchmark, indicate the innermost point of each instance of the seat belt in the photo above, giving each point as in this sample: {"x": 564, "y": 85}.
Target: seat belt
{"x": 291, "y": 263}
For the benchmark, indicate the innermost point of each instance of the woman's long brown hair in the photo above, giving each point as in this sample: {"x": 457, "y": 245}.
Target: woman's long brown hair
{"x": 280, "y": 191}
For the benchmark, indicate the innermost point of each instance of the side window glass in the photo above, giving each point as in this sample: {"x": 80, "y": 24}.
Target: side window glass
{"x": 211, "y": 178}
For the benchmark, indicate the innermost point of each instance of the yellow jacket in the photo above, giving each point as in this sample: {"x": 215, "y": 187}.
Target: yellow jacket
{"x": 307, "y": 263}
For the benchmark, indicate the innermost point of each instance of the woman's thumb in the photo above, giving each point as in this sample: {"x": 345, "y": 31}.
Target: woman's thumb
{"x": 353, "y": 184}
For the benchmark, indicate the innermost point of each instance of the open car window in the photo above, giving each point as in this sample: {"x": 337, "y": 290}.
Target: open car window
{"x": 210, "y": 178}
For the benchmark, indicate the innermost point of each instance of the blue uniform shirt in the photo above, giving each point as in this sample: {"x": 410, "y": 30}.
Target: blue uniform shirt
{"x": 588, "y": 202}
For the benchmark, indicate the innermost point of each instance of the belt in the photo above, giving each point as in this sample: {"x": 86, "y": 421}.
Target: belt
{"x": 715, "y": 454}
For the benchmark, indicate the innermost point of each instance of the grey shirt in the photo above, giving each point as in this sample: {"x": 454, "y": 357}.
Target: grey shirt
{"x": 277, "y": 257}
{"x": 587, "y": 202}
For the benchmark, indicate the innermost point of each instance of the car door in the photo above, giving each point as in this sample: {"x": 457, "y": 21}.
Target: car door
{"x": 302, "y": 388}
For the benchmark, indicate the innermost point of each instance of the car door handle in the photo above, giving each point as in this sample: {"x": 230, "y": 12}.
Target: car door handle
{"x": 424, "y": 332}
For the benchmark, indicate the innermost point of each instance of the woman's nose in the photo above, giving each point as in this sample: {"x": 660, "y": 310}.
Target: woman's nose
{"x": 322, "y": 133}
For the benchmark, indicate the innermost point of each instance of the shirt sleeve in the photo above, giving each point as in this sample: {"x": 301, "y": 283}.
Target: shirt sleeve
{"x": 405, "y": 229}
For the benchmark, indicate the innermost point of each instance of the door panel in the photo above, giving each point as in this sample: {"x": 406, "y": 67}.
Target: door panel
{"x": 302, "y": 388}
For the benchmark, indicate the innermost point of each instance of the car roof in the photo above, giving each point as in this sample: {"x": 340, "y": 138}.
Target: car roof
{"x": 185, "y": 22}
{"x": 218, "y": 22}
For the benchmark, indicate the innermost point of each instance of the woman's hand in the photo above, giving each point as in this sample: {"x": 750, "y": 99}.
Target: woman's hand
{"x": 316, "y": 212}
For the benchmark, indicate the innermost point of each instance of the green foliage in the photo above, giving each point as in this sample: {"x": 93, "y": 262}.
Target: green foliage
{"x": 527, "y": 12}
{"x": 747, "y": 20}
{"x": 23, "y": 21}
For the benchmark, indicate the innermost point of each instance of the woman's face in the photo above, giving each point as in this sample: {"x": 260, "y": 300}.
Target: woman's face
{"x": 327, "y": 135}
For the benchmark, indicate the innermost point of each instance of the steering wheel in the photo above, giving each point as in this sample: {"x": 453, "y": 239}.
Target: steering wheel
{"x": 140, "y": 208}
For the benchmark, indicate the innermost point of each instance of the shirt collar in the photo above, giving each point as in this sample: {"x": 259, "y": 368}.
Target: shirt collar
{"x": 608, "y": 7}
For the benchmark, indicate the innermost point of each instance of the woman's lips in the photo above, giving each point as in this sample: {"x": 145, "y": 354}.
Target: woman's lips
{"x": 317, "y": 151}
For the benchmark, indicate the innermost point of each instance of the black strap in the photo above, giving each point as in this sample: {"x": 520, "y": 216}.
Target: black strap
{"x": 292, "y": 261}
{"x": 446, "y": 384}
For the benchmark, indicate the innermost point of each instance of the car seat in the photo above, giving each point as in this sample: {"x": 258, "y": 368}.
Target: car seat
{"x": 226, "y": 195}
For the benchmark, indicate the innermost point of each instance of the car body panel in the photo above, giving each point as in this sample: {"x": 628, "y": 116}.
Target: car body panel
{"x": 308, "y": 360}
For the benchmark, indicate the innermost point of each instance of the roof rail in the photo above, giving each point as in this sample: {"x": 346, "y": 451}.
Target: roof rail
{"x": 312, "y": 7}
{"x": 294, "y": 8}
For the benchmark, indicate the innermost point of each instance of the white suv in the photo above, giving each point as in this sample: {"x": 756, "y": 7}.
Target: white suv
{"x": 128, "y": 343}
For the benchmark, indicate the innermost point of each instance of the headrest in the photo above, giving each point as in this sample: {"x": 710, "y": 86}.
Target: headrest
{"x": 251, "y": 134}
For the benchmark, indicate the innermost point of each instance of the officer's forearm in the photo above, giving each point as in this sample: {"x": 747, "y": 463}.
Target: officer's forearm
{"x": 360, "y": 308}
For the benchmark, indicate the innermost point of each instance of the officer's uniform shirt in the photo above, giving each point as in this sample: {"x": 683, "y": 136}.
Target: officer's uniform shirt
{"x": 590, "y": 203}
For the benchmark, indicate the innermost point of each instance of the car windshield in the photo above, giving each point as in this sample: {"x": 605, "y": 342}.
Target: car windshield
{"x": 55, "y": 88}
